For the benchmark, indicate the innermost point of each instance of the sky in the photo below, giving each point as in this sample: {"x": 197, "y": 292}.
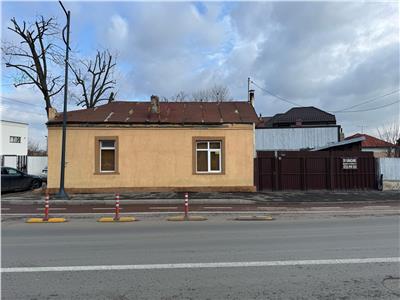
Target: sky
{"x": 331, "y": 55}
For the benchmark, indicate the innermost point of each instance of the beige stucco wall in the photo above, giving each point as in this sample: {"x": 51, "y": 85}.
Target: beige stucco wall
{"x": 151, "y": 158}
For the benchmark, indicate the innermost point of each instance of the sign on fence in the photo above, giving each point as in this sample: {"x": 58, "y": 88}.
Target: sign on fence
{"x": 349, "y": 163}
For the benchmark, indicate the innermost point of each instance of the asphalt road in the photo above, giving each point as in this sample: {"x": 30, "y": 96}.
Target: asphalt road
{"x": 150, "y": 250}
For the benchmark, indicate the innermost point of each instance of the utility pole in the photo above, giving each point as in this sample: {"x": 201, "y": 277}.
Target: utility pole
{"x": 61, "y": 193}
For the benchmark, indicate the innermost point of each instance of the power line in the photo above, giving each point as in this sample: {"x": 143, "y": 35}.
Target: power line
{"x": 18, "y": 101}
{"x": 274, "y": 95}
{"x": 368, "y": 101}
{"x": 370, "y": 109}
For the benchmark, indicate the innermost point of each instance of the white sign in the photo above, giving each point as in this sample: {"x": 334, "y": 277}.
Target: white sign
{"x": 349, "y": 163}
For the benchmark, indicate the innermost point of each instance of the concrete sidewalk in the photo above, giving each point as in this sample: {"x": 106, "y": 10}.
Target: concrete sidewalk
{"x": 208, "y": 198}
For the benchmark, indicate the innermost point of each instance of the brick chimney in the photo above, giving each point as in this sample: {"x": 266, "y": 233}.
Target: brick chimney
{"x": 155, "y": 104}
{"x": 251, "y": 97}
{"x": 52, "y": 113}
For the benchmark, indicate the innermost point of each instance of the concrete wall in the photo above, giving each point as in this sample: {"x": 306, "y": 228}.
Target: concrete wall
{"x": 8, "y": 129}
{"x": 36, "y": 164}
{"x": 155, "y": 158}
{"x": 295, "y": 138}
{"x": 389, "y": 167}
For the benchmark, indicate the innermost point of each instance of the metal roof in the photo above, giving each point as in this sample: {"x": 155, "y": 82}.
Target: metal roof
{"x": 139, "y": 112}
{"x": 341, "y": 143}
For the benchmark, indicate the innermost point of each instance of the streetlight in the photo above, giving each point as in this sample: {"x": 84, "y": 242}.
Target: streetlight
{"x": 61, "y": 193}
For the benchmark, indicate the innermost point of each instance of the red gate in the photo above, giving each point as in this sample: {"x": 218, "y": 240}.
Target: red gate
{"x": 306, "y": 170}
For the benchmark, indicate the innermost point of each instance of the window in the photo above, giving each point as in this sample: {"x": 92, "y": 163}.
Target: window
{"x": 209, "y": 156}
{"x": 13, "y": 172}
{"x": 106, "y": 158}
{"x": 15, "y": 139}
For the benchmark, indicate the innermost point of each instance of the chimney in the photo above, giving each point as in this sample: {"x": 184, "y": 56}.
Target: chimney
{"x": 155, "y": 104}
{"x": 251, "y": 97}
{"x": 52, "y": 113}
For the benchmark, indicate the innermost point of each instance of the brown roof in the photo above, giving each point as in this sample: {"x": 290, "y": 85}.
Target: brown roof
{"x": 308, "y": 115}
{"x": 371, "y": 141}
{"x": 121, "y": 112}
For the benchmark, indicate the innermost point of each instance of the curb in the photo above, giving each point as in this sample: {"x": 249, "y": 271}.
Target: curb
{"x": 126, "y": 201}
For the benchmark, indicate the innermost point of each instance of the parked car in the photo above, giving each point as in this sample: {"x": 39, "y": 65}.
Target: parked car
{"x": 14, "y": 180}
{"x": 43, "y": 176}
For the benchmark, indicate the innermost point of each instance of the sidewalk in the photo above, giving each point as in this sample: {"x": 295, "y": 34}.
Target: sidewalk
{"x": 217, "y": 198}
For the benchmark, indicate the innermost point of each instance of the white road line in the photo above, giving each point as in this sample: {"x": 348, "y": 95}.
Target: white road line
{"x": 379, "y": 206}
{"x": 163, "y": 207}
{"x": 5, "y": 208}
{"x": 106, "y": 208}
{"x": 217, "y": 207}
{"x": 271, "y": 208}
{"x": 52, "y": 208}
{"x": 325, "y": 207}
{"x": 340, "y": 261}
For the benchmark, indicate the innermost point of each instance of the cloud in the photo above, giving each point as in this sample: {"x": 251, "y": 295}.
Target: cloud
{"x": 326, "y": 54}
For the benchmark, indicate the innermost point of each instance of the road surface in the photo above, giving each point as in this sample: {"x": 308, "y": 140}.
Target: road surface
{"x": 216, "y": 259}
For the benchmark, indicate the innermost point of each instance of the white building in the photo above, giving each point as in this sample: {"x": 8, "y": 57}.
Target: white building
{"x": 14, "y": 144}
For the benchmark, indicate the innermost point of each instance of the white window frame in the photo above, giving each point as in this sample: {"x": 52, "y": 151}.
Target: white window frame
{"x": 106, "y": 148}
{"x": 209, "y": 150}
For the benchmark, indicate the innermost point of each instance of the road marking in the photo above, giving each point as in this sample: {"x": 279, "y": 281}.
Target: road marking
{"x": 5, "y": 208}
{"x": 340, "y": 261}
{"x": 325, "y": 207}
{"x": 105, "y": 208}
{"x": 377, "y": 206}
{"x": 271, "y": 208}
{"x": 217, "y": 207}
{"x": 52, "y": 208}
{"x": 163, "y": 207}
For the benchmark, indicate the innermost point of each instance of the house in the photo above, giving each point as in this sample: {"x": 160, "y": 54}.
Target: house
{"x": 379, "y": 147}
{"x": 153, "y": 146}
{"x": 299, "y": 128}
{"x": 14, "y": 144}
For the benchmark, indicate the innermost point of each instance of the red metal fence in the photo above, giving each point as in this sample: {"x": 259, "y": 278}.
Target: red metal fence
{"x": 305, "y": 170}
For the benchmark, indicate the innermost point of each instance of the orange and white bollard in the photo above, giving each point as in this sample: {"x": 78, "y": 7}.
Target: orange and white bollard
{"x": 46, "y": 208}
{"x": 186, "y": 206}
{"x": 116, "y": 218}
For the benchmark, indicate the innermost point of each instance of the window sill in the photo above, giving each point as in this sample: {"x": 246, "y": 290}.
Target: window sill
{"x": 106, "y": 173}
{"x": 209, "y": 173}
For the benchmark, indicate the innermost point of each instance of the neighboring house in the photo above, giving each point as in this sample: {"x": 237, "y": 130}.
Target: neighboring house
{"x": 153, "y": 146}
{"x": 14, "y": 144}
{"x": 300, "y": 128}
{"x": 379, "y": 147}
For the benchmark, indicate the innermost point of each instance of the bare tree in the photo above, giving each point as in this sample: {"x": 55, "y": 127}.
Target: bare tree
{"x": 34, "y": 149}
{"x": 95, "y": 80}
{"x": 33, "y": 55}
{"x": 217, "y": 93}
{"x": 391, "y": 134}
